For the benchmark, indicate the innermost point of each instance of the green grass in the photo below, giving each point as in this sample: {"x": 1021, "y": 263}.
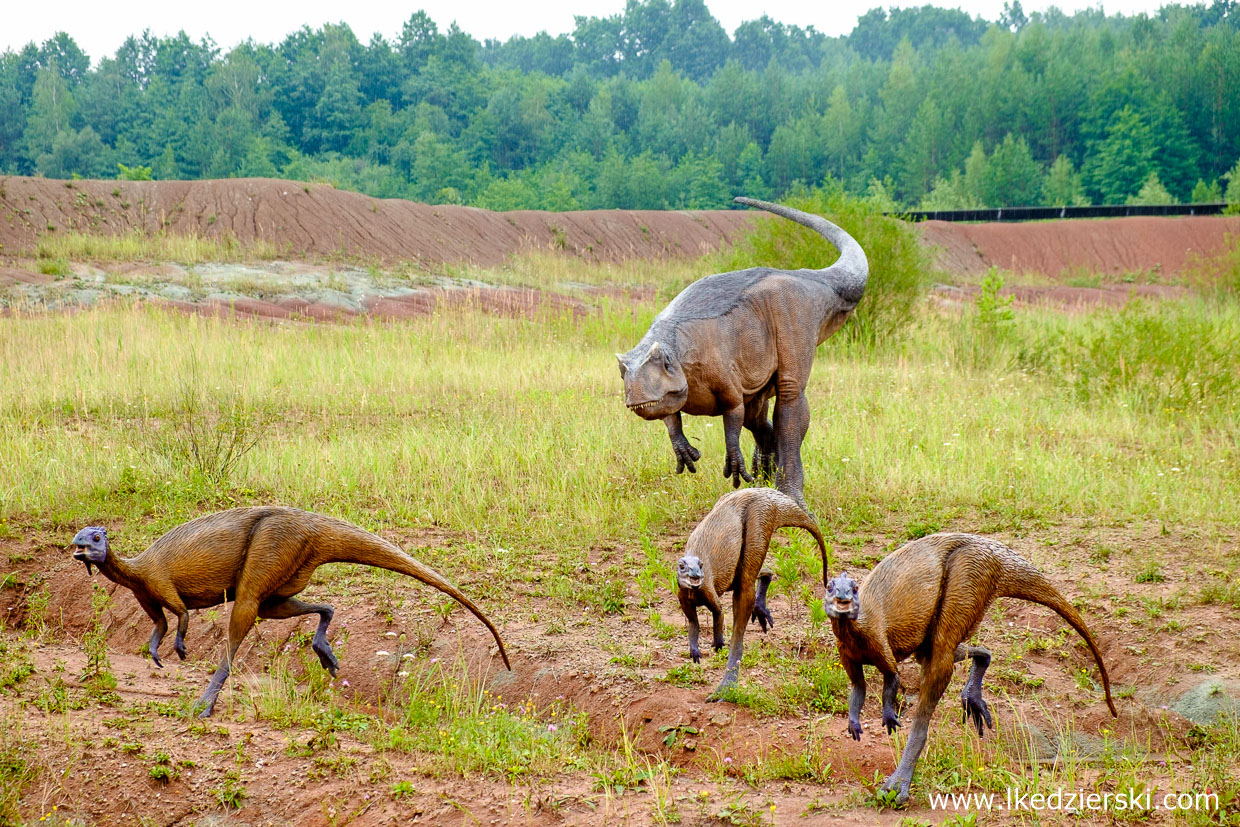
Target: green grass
{"x": 390, "y": 425}
{"x": 135, "y": 245}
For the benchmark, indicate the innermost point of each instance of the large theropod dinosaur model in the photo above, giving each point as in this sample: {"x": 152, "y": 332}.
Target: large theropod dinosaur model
{"x": 731, "y": 341}
{"x": 259, "y": 558}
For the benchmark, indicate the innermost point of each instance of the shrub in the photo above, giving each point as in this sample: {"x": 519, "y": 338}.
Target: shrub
{"x": 899, "y": 266}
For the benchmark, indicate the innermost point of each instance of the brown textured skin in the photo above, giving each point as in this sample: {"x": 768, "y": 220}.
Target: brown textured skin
{"x": 259, "y": 557}
{"x": 730, "y": 342}
{"x": 732, "y": 542}
{"x": 923, "y": 600}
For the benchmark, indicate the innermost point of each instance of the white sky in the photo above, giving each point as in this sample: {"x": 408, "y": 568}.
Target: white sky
{"x": 100, "y": 27}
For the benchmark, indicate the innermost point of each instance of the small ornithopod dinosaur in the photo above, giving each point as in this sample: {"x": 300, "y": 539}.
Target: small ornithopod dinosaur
{"x": 924, "y": 600}
{"x": 731, "y": 341}
{"x": 257, "y": 557}
{"x": 725, "y": 553}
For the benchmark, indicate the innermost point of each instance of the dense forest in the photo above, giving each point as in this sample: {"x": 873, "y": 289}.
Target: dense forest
{"x": 659, "y": 107}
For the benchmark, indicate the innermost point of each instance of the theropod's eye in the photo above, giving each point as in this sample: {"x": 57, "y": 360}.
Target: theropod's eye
{"x": 97, "y": 538}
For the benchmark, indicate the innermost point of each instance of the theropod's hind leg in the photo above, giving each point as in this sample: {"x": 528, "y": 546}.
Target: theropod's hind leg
{"x": 974, "y": 708}
{"x": 244, "y": 611}
{"x": 760, "y": 612}
{"x": 757, "y": 423}
{"x": 277, "y": 608}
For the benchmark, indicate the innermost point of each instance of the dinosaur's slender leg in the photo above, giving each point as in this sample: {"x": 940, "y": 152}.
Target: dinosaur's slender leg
{"x": 742, "y": 609}
{"x": 244, "y": 612}
{"x": 690, "y": 609}
{"x": 760, "y": 612}
{"x": 734, "y": 462}
{"x": 686, "y": 454}
{"x": 759, "y": 425}
{"x": 156, "y": 614}
{"x": 277, "y": 608}
{"x": 974, "y": 707}
{"x": 791, "y": 425}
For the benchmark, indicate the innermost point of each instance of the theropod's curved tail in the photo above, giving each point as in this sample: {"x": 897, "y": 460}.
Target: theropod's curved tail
{"x": 849, "y": 272}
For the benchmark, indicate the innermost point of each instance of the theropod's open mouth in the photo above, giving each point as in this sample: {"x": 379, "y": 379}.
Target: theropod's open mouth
{"x": 643, "y": 405}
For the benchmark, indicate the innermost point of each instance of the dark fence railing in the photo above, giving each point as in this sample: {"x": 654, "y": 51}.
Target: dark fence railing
{"x": 1046, "y": 213}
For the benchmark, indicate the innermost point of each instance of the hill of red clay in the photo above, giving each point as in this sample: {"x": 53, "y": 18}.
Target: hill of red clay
{"x": 308, "y": 220}
{"x": 1055, "y": 249}
{"x": 317, "y": 219}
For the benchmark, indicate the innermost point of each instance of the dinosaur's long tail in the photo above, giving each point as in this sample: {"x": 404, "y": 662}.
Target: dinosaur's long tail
{"x": 371, "y": 550}
{"x": 1030, "y": 584}
{"x": 783, "y": 512}
{"x": 850, "y": 271}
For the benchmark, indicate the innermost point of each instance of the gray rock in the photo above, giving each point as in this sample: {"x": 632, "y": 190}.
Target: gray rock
{"x": 1203, "y": 703}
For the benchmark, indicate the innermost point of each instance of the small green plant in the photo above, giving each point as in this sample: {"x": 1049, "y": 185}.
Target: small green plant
{"x": 230, "y": 792}
{"x": 403, "y": 789}
{"x": 134, "y": 173}
{"x": 673, "y": 733}
{"x": 1151, "y": 572}
{"x": 687, "y": 675}
{"x": 98, "y": 672}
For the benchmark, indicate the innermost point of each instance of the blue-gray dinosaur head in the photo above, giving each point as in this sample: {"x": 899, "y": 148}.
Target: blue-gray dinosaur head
{"x": 654, "y": 383}
{"x": 689, "y": 572}
{"x": 92, "y": 546}
{"x": 841, "y": 600}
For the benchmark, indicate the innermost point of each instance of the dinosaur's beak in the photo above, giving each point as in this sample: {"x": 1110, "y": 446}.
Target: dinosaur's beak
{"x": 80, "y": 554}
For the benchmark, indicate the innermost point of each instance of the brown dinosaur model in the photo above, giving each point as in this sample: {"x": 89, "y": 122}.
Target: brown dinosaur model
{"x": 725, "y": 553}
{"x": 257, "y": 557}
{"x": 924, "y": 600}
{"x": 731, "y": 341}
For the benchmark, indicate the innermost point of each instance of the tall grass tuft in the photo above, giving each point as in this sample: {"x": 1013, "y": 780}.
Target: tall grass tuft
{"x": 1165, "y": 357}
{"x": 135, "y": 245}
{"x": 899, "y": 266}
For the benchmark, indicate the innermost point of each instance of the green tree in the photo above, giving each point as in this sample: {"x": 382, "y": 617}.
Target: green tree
{"x": 52, "y": 109}
{"x": 949, "y": 193}
{"x": 1204, "y": 193}
{"x": 1232, "y": 196}
{"x": 1152, "y": 192}
{"x": 1013, "y": 178}
{"x": 1120, "y": 162}
{"x": 1062, "y": 186}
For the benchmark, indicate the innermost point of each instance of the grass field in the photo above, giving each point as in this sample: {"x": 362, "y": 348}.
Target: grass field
{"x": 499, "y": 447}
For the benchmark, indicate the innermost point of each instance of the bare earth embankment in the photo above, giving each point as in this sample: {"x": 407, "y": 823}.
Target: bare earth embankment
{"x": 309, "y": 250}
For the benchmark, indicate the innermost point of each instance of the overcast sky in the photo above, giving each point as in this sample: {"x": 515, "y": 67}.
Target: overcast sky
{"x": 100, "y": 27}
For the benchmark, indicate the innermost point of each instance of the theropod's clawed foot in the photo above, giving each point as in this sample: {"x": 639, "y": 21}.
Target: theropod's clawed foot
{"x": 854, "y": 729}
{"x": 326, "y": 656}
{"x": 763, "y": 616}
{"x": 891, "y": 721}
{"x": 764, "y": 465}
{"x": 900, "y": 786}
{"x": 975, "y": 710}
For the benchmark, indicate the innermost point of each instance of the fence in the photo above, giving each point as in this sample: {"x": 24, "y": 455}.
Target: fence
{"x": 1047, "y": 213}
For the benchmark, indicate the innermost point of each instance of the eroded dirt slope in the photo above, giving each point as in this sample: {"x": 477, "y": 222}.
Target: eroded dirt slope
{"x": 317, "y": 219}
{"x": 1057, "y": 249}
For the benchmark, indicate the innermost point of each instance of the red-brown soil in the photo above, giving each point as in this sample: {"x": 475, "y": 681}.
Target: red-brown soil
{"x": 1055, "y": 249}
{"x": 307, "y": 220}
{"x": 351, "y": 781}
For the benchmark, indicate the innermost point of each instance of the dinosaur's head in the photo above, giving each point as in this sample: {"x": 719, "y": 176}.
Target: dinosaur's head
{"x": 689, "y": 573}
{"x": 841, "y": 600}
{"x": 654, "y": 383}
{"x": 92, "y": 546}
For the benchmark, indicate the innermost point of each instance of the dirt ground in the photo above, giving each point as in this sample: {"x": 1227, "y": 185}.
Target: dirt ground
{"x": 1151, "y": 666}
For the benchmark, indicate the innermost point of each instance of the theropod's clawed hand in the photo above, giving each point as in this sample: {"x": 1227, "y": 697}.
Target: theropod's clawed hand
{"x": 686, "y": 455}
{"x": 734, "y": 467}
